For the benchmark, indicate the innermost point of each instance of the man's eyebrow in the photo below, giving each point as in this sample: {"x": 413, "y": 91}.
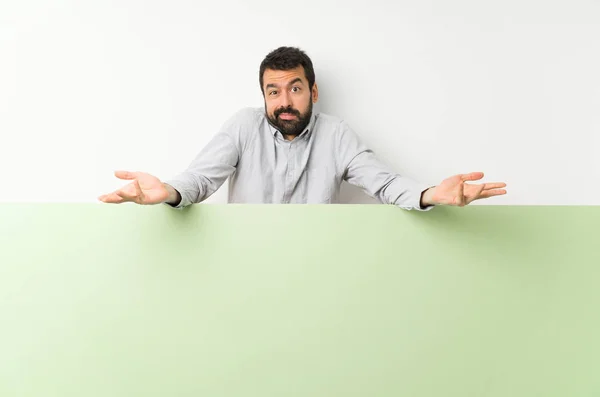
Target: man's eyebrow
{"x": 296, "y": 80}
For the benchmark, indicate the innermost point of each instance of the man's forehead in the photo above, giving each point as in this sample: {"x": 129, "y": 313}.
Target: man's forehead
{"x": 283, "y": 76}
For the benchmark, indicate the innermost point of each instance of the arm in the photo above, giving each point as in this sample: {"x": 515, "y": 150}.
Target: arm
{"x": 214, "y": 164}
{"x": 203, "y": 177}
{"x": 206, "y": 173}
{"x": 364, "y": 170}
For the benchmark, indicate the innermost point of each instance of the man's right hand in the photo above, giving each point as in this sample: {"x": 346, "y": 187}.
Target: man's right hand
{"x": 144, "y": 189}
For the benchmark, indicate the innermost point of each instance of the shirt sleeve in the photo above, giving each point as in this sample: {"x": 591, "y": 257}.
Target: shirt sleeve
{"x": 213, "y": 165}
{"x": 364, "y": 170}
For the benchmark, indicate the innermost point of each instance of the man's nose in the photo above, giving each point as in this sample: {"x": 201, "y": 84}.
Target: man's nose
{"x": 285, "y": 100}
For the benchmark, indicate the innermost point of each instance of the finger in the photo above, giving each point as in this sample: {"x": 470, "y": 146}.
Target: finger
{"x": 126, "y": 192}
{"x": 496, "y": 185}
{"x": 473, "y": 176}
{"x": 126, "y": 196}
{"x": 491, "y": 193}
{"x": 134, "y": 192}
{"x": 126, "y": 175}
{"x": 138, "y": 189}
{"x": 129, "y": 191}
{"x": 111, "y": 198}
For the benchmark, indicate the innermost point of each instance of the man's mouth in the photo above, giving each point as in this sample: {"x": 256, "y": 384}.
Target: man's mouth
{"x": 287, "y": 116}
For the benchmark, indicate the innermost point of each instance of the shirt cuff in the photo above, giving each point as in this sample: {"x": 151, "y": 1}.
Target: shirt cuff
{"x": 180, "y": 187}
{"x": 424, "y": 188}
{"x": 409, "y": 195}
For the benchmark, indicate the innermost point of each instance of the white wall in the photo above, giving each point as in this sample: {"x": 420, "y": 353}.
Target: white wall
{"x": 511, "y": 88}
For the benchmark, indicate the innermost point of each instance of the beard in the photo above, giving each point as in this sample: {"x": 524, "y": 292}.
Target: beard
{"x": 290, "y": 127}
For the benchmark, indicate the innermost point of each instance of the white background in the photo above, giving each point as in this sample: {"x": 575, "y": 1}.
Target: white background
{"x": 510, "y": 88}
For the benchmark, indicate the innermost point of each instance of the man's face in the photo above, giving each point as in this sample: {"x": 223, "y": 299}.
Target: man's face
{"x": 288, "y": 100}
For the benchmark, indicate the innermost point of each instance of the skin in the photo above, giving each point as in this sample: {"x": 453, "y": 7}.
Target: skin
{"x": 288, "y": 89}
{"x": 289, "y": 99}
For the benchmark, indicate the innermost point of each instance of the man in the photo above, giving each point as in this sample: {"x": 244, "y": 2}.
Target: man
{"x": 287, "y": 154}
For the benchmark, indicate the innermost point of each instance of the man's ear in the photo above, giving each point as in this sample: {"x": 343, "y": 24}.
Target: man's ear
{"x": 315, "y": 93}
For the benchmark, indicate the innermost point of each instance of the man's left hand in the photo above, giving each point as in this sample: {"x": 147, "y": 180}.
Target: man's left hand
{"x": 455, "y": 191}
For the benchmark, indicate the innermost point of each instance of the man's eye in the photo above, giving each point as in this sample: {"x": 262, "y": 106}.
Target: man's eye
{"x": 273, "y": 93}
{"x": 295, "y": 89}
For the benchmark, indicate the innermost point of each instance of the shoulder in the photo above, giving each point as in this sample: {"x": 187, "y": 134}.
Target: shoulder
{"x": 333, "y": 127}
{"x": 328, "y": 122}
{"x": 246, "y": 117}
{"x": 345, "y": 141}
{"x": 243, "y": 126}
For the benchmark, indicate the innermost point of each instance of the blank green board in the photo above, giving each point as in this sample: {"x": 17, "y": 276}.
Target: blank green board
{"x": 297, "y": 300}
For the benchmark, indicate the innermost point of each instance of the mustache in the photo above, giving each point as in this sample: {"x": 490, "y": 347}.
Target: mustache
{"x": 289, "y": 110}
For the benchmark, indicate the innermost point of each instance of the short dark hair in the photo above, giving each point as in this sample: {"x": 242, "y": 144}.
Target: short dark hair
{"x": 287, "y": 58}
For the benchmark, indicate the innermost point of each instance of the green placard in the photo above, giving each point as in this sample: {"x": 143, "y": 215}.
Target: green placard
{"x": 298, "y": 300}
